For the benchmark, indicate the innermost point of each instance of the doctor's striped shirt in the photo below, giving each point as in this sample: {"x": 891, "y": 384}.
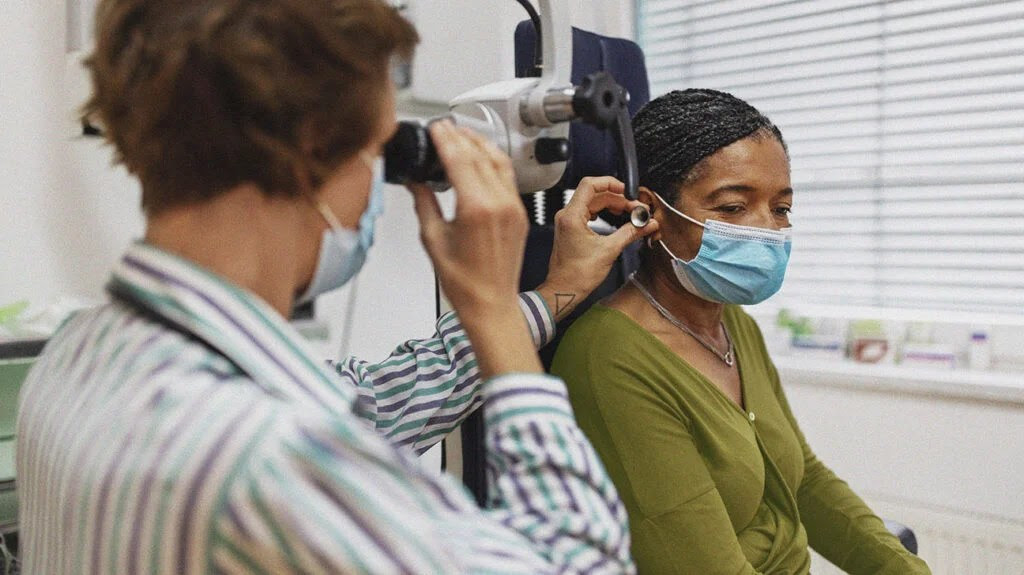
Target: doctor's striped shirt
{"x": 185, "y": 428}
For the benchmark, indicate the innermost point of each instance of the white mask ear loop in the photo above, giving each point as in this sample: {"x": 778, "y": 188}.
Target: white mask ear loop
{"x": 345, "y": 345}
{"x": 675, "y": 211}
{"x": 668, "y": 250}
{"x": 367, "y": 159}
{"x": 332, "y": 221}
{"x": 326, "y": 212}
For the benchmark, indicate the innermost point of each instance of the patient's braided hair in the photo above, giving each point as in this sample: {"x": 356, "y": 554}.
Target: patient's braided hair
{"x": 677, "y": 132}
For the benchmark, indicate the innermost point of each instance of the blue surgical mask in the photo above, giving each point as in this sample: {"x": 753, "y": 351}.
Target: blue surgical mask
{"x": 735, "y": 264}
{"x": 343, "y": 251}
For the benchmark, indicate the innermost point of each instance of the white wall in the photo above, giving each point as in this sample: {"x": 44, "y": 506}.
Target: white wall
{"x": 66, "y": 214}
{"x": 29, "y": 67}
{"x": 947, "y": 453}
{"x": 948, "y": 467}
{"x": 465, "y": 45}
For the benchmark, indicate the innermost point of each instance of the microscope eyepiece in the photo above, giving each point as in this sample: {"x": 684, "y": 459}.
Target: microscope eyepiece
{"x": 410, "y": 156}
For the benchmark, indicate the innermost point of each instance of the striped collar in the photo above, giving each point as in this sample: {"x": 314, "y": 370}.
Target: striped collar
{"x": 234, "y": 322}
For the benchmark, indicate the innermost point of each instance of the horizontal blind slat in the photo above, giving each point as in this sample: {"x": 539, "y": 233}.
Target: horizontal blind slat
{"x": 772, "y": 24}
{"x": 856, "y": 71}
{"x": 794, "y": 18}
{"x": 877, "y": 209}
{"x": 824, "y": 258}
{"x": 970, "y": 43}
{"x": 854, "y": 39}
{"x": 738, "y": 31}
{"x": 833, "y": 197}
{"x": 881, "y": 227}
{"x": 943, "y": 242}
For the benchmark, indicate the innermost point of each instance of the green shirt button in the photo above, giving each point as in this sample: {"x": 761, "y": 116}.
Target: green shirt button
{"x": 752, "y": 416}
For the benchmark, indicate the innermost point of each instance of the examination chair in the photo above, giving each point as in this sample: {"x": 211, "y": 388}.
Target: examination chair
{"x": 594, "y": 153}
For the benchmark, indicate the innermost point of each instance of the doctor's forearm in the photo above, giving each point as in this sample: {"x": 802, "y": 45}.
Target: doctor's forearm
{"x": 561, "y": 299}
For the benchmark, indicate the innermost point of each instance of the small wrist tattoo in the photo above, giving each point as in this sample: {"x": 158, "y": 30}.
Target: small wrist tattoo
{"x": 563, "y": 301}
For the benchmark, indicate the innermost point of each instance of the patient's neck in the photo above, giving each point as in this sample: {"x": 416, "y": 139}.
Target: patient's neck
{"x": 698, "y": 314}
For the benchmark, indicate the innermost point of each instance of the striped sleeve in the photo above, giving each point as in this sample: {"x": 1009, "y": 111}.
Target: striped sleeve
{"x": 545, "y": 480}
{"x": 426, "y": 388}
{"x": 539, "y": 318}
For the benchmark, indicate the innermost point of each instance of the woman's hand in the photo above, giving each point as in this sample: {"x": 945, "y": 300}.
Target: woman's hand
{"x": 479, "y": 254}
{"x": 581, "y": 258}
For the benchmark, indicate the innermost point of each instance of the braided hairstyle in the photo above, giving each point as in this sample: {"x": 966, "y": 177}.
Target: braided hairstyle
{"x": 677, "y": 132}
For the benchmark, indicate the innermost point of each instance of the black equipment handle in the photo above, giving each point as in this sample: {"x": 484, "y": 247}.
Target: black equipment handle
{"x": 601, "y": 101}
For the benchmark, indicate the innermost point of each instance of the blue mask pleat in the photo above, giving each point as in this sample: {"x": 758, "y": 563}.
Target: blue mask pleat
{"x": 736, "y": 264}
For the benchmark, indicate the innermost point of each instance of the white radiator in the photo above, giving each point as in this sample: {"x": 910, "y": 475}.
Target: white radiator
{"x": 953, "y": 544}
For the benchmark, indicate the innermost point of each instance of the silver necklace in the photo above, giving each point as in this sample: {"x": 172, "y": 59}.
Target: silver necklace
{"x": 728, "y": 357}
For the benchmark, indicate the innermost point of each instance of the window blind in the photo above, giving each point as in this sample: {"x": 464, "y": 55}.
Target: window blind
{"x": 905, "y": 124}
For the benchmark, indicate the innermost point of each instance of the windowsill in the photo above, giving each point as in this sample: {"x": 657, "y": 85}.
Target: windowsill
{"x": 993, "y": 386}
{"x": 891, "y": 314}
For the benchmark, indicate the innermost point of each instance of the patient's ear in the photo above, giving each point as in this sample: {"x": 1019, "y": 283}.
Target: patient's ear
{"x": 645, "y": 196}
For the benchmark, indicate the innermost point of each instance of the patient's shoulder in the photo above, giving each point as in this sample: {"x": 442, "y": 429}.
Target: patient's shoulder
{"x": 603, "y": 336}
{"x": 601, "y": 322}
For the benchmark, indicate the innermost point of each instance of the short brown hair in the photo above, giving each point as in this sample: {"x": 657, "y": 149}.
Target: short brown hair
{"x": 199, "y": 96}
